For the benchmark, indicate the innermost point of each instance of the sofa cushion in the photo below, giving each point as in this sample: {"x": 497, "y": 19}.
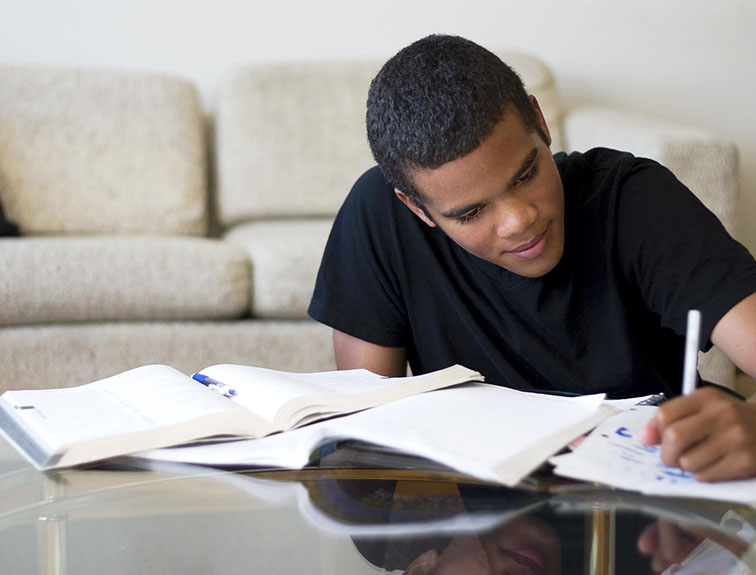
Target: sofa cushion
{"x": 101, "y": 151}
{"x": 64, "y": 355}
{"x": 539, "y": 81}
{"x": 7, "y": 228}
{"x": 291, "y": 137}
{"x": 702, "y": 160}
{"x": 285, "y": 257}
{"x": 76, "y": 279}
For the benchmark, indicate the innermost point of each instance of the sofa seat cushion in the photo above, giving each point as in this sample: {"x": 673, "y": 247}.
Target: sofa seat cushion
{"x": 64, "y": 355}
{"x": 285, "y": 257}
{"x": 75, "y": 279}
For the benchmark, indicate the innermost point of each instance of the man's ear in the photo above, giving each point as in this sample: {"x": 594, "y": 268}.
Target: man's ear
{"x": 412, "y": 205}
{"x": 423, "y": 564}
{"x": 540, "y": 118}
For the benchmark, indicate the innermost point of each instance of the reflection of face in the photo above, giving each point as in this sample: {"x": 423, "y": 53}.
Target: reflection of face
{"x": 503, "y": 202}
{"x": 527, "y": 546}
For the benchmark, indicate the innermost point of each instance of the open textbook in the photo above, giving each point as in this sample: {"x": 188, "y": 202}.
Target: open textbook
{"x": 485, "y": 431}
{"x": 614, "y": 455}
{"x": 156, "y": 406}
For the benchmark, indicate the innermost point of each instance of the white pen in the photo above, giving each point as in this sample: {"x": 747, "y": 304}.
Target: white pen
{"x": 690, "y": 367}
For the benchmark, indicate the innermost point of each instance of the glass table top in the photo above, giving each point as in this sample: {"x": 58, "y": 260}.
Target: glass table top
{"x": 356, "y": 512}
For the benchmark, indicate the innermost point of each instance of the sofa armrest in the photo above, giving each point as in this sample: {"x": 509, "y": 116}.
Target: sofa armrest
{"x": 702, "y": 160}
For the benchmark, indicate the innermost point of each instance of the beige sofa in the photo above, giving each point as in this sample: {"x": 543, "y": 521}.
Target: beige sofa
{"x": 152, "y": 234}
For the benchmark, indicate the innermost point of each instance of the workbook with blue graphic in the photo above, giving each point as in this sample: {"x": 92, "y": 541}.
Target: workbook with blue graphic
{"x": 613, "y": 454}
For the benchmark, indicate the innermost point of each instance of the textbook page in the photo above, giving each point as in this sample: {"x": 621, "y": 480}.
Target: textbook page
{"x": 614, "y": 455}
{"x": 490, "y": 432}
{"x": 149, "y": 406}
{"x": 289, "y": 399}
{"x": 264, "y": 391}
{"x": 142, "y": 398}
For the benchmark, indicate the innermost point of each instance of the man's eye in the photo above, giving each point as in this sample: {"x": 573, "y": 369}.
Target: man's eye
{"x": 525, "y": 178}
{"x": 469, "y": 216}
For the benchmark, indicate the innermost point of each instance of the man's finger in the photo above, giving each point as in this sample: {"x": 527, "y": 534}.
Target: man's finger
{"x": 682, "y": 435}
{"x": 686, "y": 405}
{"x": 706, "y": 453}
{"x": 739, "y": 464}
{"x": 651, "y": 434}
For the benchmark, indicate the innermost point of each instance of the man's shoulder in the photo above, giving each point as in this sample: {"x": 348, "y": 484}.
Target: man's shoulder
{"x": 373, "y": 177}
{"x": 601, "y": 160}
{"x": 372, "y": 185}
{"x": 372, "y": 198}
{"x": 607, "y": 174}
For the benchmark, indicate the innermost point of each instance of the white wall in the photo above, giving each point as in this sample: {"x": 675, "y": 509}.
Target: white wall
{"x": 688, "y": 60}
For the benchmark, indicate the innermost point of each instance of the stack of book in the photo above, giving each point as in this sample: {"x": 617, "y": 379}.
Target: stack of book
{"x": 233, "y": 415}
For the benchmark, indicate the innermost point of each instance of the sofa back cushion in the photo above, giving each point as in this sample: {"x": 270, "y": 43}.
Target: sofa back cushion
{"x": 100, "y": 151}
{"x": 291, "y": 137}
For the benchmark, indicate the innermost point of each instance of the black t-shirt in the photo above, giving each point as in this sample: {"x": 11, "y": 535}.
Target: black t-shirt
{"x": 640, "y": 251}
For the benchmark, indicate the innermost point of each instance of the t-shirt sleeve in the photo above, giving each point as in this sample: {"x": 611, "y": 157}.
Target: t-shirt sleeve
{"x": 677, "y": 252}
{"x": 358, "y": 288}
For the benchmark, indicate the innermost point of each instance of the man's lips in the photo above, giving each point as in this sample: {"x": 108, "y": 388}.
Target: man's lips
{"x": 532, "y": 248}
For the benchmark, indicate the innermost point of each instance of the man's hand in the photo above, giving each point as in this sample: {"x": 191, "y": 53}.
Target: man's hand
{"x": 666, "y": 543}
{"x": 708, "y": 433}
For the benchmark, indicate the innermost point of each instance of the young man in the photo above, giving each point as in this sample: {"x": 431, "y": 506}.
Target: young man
{"x": 472, "y": 244}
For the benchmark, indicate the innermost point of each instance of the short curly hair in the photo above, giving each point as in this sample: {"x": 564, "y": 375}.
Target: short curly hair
{"x": 437, "y": 100}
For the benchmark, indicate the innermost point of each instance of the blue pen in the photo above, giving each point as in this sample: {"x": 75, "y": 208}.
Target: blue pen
{"x": 215, "y": 385}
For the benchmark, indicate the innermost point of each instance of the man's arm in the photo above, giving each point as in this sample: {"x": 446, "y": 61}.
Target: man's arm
{"x": 735, "y": 335}
{"x": 352, "y": 353}
{"x": 708, "y": 432}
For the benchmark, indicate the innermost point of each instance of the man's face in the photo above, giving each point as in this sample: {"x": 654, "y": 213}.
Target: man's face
{"x": 527, "y": 546}
{"x": 503, "y": 202}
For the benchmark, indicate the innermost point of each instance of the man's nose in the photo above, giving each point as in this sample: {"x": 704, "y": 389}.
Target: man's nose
{"x": 514, "y": 217}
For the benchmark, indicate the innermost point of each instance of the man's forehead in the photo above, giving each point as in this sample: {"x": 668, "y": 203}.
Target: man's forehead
{"x": 454, "y": 186}
{"x": 462, "y": 203}
{"x": 502, "y": 153}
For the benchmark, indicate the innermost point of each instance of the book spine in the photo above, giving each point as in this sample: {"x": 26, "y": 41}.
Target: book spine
{"x": 15, "y": 433}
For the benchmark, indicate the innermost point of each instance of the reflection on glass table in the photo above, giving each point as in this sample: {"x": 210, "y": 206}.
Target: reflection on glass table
{"x": 356, "y": 511}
